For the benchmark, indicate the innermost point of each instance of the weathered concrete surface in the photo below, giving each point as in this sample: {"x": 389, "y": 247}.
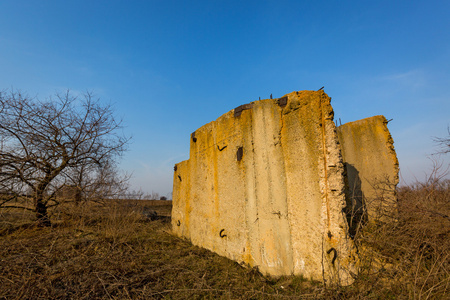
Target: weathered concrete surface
{"x": 264, "y": 185}
{"x": 371, "y": 167}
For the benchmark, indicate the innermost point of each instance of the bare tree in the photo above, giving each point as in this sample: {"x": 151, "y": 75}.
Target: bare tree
{"x": 444, "y": 142}
{"x": 48, "y": 144}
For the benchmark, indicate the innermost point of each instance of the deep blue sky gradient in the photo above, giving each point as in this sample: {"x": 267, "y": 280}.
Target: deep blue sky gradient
{"x": 170, "y": 67}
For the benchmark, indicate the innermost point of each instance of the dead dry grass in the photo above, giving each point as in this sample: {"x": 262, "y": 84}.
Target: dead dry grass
{"x": 408, "y": 256}
{"x": 112, "y": 250}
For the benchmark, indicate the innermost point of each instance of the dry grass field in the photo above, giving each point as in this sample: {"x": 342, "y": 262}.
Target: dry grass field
{"x": 113, "y": 250}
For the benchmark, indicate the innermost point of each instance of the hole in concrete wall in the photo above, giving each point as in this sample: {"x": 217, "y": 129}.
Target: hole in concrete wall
{"x": 239, "y": 153}
{"x": 194, "y": 139}
{"x": 179, "y": 177}
{"x": 175, "y": 168}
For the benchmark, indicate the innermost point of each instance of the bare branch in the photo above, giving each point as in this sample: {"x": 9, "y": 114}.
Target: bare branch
{"x": 19, "y": 207}
{"x": 444, "y": 142}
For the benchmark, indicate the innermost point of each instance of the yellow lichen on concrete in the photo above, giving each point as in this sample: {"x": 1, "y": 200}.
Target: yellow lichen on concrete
{"x": 371, "y": 166}
{"x": 181, "y": 199}
{"x": 264, "y": 185}
{"x": 315, "y": 188}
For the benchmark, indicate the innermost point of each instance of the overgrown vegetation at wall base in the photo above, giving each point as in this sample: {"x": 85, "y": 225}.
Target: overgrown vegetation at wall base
{"x": 112, "y": 250}
{"x": 409, "y": 256}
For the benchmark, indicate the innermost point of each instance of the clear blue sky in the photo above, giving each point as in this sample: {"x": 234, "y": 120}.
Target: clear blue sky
{"x": 170, "y": 67}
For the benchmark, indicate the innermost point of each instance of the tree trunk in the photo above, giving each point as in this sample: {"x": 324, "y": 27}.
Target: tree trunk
{"x": 77, "y": 195}
{"x": 41, "y": 213}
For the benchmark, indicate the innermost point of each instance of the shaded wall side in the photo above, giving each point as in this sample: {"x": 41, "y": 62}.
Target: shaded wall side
{"x": 371, "y": 165}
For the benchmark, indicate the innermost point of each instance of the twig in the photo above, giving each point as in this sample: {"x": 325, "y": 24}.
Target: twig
{"x": 104, "y": 287}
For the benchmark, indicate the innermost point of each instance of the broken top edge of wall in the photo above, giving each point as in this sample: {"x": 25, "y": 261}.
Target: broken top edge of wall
{"x": 382, "y": 117}
{"x": 282, "y": 101}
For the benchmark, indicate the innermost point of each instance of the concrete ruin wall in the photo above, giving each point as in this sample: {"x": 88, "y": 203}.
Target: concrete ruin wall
{"x": 371, "y": 169}
{"x": 265, "y": 186}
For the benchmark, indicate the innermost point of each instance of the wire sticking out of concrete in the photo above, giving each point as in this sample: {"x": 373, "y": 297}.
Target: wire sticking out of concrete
{"x": 334, "y": 256}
